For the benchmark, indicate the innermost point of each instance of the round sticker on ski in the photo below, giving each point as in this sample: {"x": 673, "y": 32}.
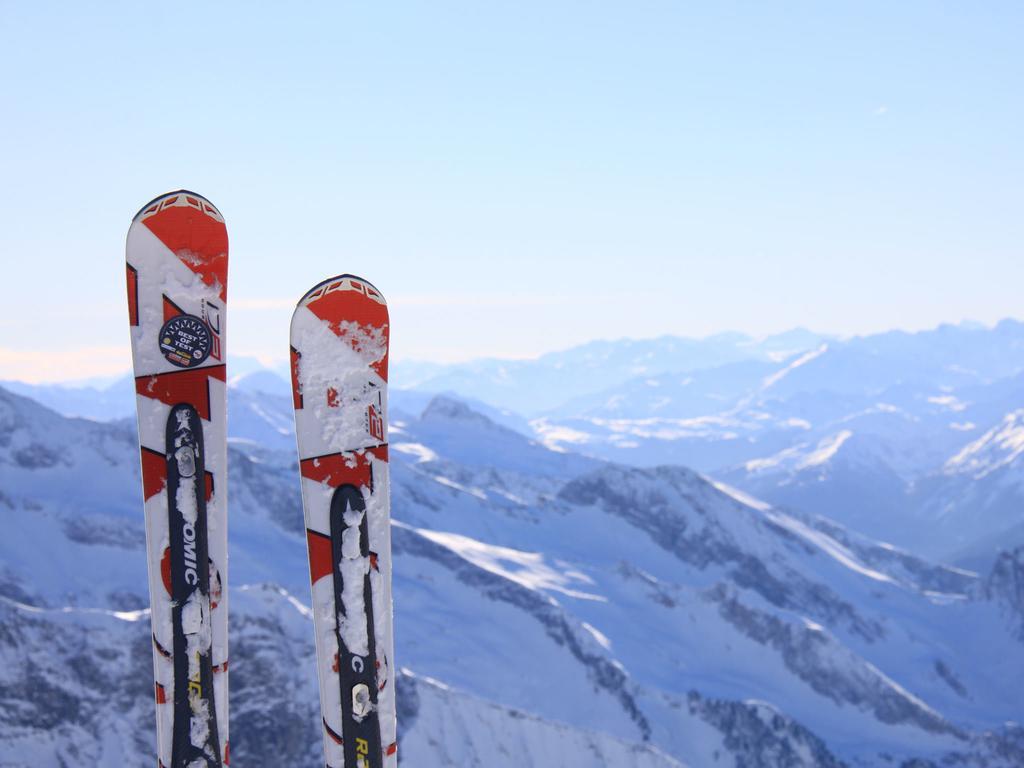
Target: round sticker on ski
{"x": 185, "y": 341}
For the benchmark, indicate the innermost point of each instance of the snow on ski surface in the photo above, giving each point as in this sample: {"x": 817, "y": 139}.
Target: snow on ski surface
{"x": 338, "y": 362}
{"x": 165, "y": 276}
{"x": 335, "y": 376}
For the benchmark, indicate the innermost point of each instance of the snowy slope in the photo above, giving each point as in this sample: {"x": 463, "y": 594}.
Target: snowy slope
{"x": 978, "y": 493}
{"x": 69, "y": 699}
{"x": 955, "y": 492}
{"x": 458, "y": 730}
{"x": 624, "y": 613}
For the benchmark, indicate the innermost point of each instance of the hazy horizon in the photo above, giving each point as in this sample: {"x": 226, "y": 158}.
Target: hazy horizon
{"x": 9, "y": 361}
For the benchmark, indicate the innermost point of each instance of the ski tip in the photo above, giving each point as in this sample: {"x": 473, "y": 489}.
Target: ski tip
{"x": 336, "y": 283}
{"x": 192, "y": 198}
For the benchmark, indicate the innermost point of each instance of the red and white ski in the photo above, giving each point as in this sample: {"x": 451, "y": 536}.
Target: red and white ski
{"x": 177, "y": 261}
{"x": 339, "y": 355}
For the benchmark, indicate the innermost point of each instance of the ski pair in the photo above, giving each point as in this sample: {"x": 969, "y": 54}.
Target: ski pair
{"x": 177, "y": 256}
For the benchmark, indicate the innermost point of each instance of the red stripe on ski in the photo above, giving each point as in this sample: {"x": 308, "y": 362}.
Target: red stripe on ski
{"x": 198, "y": 239}
{"x": 133, "y": 294}
{"x": 336, "y": 306}
{"x": 154, "y": 472}
{"x": 344, "y": 468}
{"x": 171, "y": 309}
{"x": 296, "y": 395}
{"x": 161, "y": 694}
{"x": 392, "y": 748}
{"x": 165, "y": 570}
{"x": 184, "y": 386}
{"x": 320, "y": 558}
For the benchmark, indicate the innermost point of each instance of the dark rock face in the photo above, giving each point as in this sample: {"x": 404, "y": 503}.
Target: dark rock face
{"x": 274, "y": 720}
{"x": 12, "y": 587}
{"x": 925, "y": 575}
{"x": 442, "y": 408}
{"x": 1002, "y": 746}
{"x": 80, "y": 684}
{"x": 689, "y": 523}
{"x": 36, "y": 456}
{"x": 950, "y": 677}
{"x": 11, "y": 417}
{"x": 73, "y": 679}
{"x": 1005, "y": 585}
{"x": 109, "y": 532}
{"x": 407, "y": 704}
{"x": 271, "y": 488}
{"x": 813, "y": 656}
{"x": 761, "y": 737}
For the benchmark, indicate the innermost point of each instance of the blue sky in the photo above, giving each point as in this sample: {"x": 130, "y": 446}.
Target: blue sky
{"x": 517, "y": 177}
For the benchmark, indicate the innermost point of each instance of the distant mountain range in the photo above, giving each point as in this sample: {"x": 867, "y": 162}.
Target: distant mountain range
{"x": 533, "y": 387}
{"x": 867, "y": 430}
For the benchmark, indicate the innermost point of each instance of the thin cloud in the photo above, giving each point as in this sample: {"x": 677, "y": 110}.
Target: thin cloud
{"x": 36, "y": 366}
{"x": 436, "y": 300}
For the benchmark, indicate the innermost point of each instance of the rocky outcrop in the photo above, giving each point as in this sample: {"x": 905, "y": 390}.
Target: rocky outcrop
{"x": 759, "y": 736}
{"x": 1005, "y": 586}
{"x": 558, "y": 625}
{"x": 687, "y": 516}
{"x": 814, "y": 656}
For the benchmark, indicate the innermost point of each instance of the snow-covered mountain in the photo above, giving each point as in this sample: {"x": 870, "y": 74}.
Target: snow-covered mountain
{"x": 946, "y": 478}
{"x": 866, "y": 430}
{"x": 876, "y": 431}
{"x": 952, "y": 379}
{"x": 551, "y": 609}
{"x": 533, "y": 386}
